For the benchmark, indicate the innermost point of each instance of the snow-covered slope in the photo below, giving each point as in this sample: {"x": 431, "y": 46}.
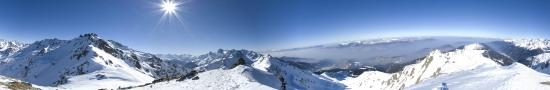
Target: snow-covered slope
{"x": 296, "y": 78}
{"x": 85, "y": 62}
{"x": 368, "y": 80}
{"x": 513, "y": 77}
{"x": 437, "y": 65}
{"x": 238, "y": 78}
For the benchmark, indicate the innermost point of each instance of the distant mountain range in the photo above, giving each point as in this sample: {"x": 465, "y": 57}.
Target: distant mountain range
{"x": 462, "y": 63}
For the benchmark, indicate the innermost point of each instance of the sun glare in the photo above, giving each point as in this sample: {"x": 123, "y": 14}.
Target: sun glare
{"x": 169, "y": 6}
{"x": 171, "y": 18}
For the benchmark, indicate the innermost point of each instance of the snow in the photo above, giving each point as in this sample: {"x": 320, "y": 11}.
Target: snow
{"x": 9, "y": 48}
{"x": 258, "y": 72}
{"x": 531, "y": 44}
{"x": 513, "y": 77}
{"x": 238, "y": 78}
{"x": 85, "y": 62}
{"x": 117, "y": 75}
{"x": 540, "y": 62}
{"x": 366, "y": 80}
{"x": 89, "y": 62}
{"x": 262, "y": 64}
{"x": 294, "y": 77}
{"x": 533, "y": 53}
{"x": 437, "y": 63}
{"x": 120, "y": 75}
{"x": 540, "y": 58}
{"x": 462, "y": 69}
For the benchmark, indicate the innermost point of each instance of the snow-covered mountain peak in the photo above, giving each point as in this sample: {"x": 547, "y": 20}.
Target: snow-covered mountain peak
{"x": 5, "y": 44}
{"x": 91, "y": 36}
{"x": 87, "y": 58}
{"x": 8, "y": 48}
{"x": 471, "y": 56}
{"x": 438, "y": 63}
{"x": 95, "y": 40}
{"x": 90, "y": 39}
{"x": 231, "y": 53}
{"x": 226, "y": 58}
{"x": 531, "y": 44}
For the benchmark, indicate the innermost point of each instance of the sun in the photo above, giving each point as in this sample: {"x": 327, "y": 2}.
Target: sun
{"x": 169, "y": 6}
{"x": 171, "y": 18}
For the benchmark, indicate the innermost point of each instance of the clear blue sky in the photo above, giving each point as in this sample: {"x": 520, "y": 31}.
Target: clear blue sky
{"x": 270, "y": 24}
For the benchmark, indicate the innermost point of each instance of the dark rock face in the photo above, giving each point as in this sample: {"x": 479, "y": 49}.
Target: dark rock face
{"x": 515, "y": 53}
{"x": 283, "y": 82}
{"x": 191, "y": 75}
{"x": 240, "y": 61}
{"x": 496, "y": 56}
{"x": 340, "y": 74}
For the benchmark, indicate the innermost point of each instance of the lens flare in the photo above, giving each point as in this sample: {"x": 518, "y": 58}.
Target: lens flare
{"x": 169, "y": 6}
{"x": 171, "y": 20}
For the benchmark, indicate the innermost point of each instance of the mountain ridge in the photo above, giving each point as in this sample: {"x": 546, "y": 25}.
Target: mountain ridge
{"x": 90, "y": 61}
{"x": 69, "y": 61}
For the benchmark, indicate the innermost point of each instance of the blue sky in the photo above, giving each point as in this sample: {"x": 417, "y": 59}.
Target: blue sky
{"x": 269, "y": 24}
